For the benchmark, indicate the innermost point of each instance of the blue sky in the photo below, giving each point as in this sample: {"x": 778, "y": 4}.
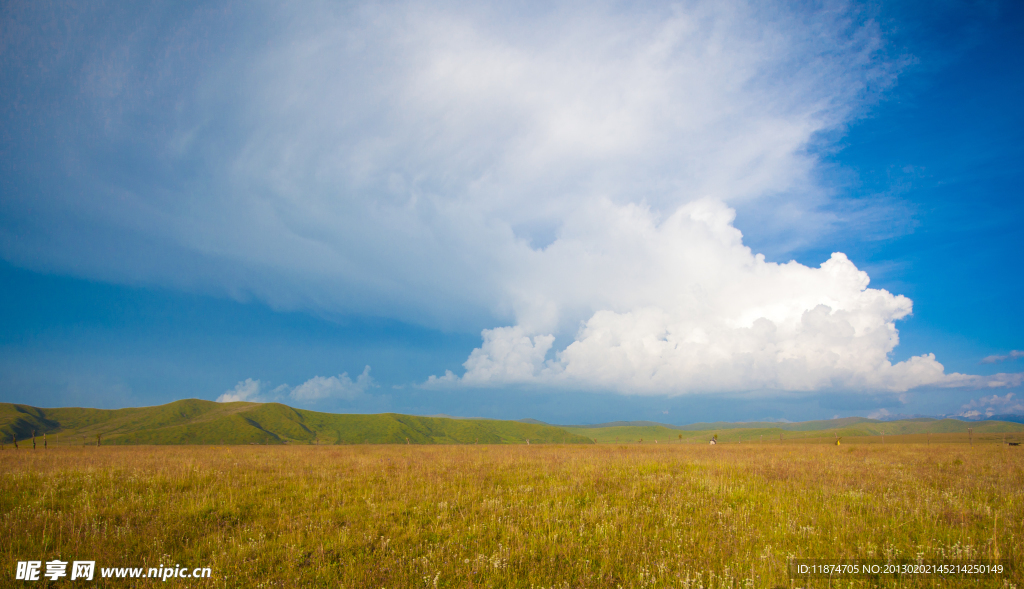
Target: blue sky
{"x": 571, "y": 213}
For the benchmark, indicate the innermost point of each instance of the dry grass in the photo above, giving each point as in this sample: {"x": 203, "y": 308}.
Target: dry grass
{"x": 511, "y": 516}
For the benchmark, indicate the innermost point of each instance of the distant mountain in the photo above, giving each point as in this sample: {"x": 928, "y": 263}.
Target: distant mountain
{"x": 1012, "y": 417}
{"x": 194, "y": 421}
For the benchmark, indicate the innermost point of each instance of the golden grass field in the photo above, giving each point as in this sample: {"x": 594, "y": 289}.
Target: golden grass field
{"x": 606, "y": 515}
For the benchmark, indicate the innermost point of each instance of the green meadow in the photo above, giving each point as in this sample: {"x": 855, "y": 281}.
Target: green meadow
{"x": 529, "y": 516}
{"x": 270, "y": 496}
{"x": 855, "y": 430}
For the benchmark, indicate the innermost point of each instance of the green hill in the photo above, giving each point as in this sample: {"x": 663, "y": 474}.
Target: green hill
{"x": 193, "y": 421}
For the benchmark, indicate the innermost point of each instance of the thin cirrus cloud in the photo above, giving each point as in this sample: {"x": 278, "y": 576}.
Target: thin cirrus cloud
{"x": 562, "y": 173}
{"x": 995, "y": 359}
{"x": 316, "y": 389}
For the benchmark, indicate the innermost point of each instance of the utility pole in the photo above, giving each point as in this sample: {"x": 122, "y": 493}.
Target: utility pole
{"x": 33, "y": 439}
{"x": 970, "y": 435}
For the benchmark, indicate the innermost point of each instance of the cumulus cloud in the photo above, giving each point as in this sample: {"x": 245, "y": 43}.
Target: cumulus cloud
{"x": 711, "y": 317}
{"x": 318, "y": 388}
{"x": 1013, "y": 355}
{"x": 989, "y": 406}
{"x": 339, "y": 387}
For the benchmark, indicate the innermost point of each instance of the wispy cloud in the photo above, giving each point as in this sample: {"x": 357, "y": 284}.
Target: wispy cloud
{"x": 1013, "y": 355}
{"x": 339, "y": 387}
{"x": 974, "y": 381}
{"x": 415, "y": 159}
{"x": 318, "y": 388}
{"x": 249, "y": 390}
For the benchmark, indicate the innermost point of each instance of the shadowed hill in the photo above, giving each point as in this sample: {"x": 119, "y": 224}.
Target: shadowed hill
{"x": 193, "y": 421}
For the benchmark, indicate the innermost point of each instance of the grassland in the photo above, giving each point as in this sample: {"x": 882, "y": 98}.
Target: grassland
{"x": 851, "y": 430}
{"x": 636, "y": 515}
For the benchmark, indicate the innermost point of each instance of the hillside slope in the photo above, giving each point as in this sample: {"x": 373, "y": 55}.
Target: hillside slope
{"x": 194, "y": 421}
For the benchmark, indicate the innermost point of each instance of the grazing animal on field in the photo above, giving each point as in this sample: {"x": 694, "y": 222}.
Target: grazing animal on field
{"x": 1015, "y": 443}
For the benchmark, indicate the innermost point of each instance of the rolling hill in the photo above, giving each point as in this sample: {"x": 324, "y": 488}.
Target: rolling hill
{"x": 194, "y": 421}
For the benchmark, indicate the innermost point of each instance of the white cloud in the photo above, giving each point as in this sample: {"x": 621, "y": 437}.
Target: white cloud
{"x": 989, "y": 406}
{"x": 974, "y": 381}
{"x": 318, "y": 388}
{"x": 339, "y": 387}
{"x": 246, "y": 390}
{"x": 412, "y": 159}
{"x": 508, "y": 356}
{"x": 569, "y": 172}
{"x": 1013, "y": 355}
{"x": 684, "y": 307}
